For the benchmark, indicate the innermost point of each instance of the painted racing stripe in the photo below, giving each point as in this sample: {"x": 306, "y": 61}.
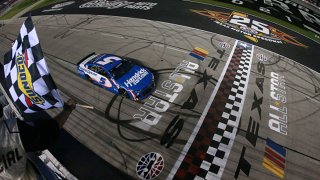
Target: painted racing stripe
{"x": 206, "y": 153}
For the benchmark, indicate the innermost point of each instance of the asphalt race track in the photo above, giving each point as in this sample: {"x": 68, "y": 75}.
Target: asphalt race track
{"x": 265, "y": 34}
{"x": 243, "y": 112}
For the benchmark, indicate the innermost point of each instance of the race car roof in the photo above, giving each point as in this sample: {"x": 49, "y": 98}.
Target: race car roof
{"x": 111, "y": 61}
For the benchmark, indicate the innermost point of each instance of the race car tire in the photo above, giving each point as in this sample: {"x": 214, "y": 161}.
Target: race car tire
{"x": 123, "y": 93}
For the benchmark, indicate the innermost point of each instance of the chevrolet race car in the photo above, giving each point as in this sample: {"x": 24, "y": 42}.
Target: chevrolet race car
{"x": 118, "y": 75}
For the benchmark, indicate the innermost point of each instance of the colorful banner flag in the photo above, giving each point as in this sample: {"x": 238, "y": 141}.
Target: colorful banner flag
{"x": 199, "y": 53}
{"x": 274, "y": 158}
{"x": 27, "y": 77}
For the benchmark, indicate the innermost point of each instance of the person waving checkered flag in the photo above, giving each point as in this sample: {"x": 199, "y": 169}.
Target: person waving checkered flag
{"x": 27, "y": 76}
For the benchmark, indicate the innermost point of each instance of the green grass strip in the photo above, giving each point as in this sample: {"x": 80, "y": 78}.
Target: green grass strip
{"x": 24, "y": 4}
{"x": 17, "y": 8}
{"x": 46, "y": 3}
{"x": 304, "y": 32}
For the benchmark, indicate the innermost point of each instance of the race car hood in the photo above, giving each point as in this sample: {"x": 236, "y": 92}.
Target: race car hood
{"x": 136, "y": 79}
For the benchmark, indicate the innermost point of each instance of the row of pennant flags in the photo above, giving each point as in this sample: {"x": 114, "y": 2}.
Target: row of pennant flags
{"x": 25, "y": 75}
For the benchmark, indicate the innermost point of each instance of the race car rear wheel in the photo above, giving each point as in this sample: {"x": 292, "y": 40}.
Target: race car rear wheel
{"x": 123, "y": 93}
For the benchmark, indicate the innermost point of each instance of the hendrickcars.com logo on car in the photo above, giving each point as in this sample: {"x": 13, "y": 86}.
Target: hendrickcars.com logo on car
{"x": 136, "y": 78}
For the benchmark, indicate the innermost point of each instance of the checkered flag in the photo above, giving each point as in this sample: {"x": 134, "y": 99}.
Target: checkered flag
{"x": 27, "y": 76}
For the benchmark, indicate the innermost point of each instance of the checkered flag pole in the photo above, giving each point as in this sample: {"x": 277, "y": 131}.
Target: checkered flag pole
{"x": 27, "y": 76}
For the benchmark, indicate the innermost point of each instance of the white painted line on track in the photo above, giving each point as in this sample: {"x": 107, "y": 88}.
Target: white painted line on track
{"x": 170, "y": 47}
{"x": 113, "y": 35}
{"x": 227, "y": 148}
{"x": 203, "y": 115}
{"x": 52, "y": 27}
{"x": 311, "y": 29}
{"x": 77, "y": 30}
{"x": 312, "y": 99}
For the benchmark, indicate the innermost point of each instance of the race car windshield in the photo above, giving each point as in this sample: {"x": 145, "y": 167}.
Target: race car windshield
{"x": 121, "y": 69}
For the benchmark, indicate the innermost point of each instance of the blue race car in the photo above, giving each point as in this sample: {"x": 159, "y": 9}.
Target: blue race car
{"x": 118, "y": 75}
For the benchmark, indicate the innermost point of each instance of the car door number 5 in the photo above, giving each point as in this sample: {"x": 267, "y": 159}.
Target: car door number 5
{"x": 105, "y": 82}
{"x": 102, "y": 80}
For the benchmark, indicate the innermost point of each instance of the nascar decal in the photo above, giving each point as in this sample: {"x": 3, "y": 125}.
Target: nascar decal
{"x": 136, "y": 78}
{"x": 25, "y": 81}
{"x": 199, "y": 53}
{"x": 224, "y": 45}
{"x": 274, "y": 158}
{"x": 251, "y": 29}
{"x": 262, "y": 57}
{"x": 150, "y": 166}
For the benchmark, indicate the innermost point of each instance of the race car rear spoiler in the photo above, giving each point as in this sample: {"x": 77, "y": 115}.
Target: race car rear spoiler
{"x": 86, "y": 58}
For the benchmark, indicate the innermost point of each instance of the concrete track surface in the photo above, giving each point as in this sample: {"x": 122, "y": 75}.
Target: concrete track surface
{"x": 115, "y": 131}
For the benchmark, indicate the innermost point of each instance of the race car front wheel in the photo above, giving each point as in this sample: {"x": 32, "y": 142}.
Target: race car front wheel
{"x": 123, "y": 93}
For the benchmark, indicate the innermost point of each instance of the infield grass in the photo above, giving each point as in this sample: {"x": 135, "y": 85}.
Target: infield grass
{"x": 15, "y": 9}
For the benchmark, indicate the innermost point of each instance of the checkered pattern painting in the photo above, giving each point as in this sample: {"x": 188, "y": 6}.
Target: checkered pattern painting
{"x": 27, "y": 77}
{"x": 209, "y": 151}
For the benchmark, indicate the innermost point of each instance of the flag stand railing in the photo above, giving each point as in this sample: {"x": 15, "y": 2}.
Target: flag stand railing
{"x": 13, "y": 107}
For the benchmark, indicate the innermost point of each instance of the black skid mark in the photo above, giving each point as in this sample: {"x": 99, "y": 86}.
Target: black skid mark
{"x": 119, "y": 130}
{"x": 125, "y": 124}
{"x": 278, "y": 59}
{"x": 138, "y": 49}
{"x": 68, "y": 32}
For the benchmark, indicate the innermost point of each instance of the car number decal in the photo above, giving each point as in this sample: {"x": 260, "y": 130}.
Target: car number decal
{"x": 105, "y": 82}
{"x": 107, "y": 60}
